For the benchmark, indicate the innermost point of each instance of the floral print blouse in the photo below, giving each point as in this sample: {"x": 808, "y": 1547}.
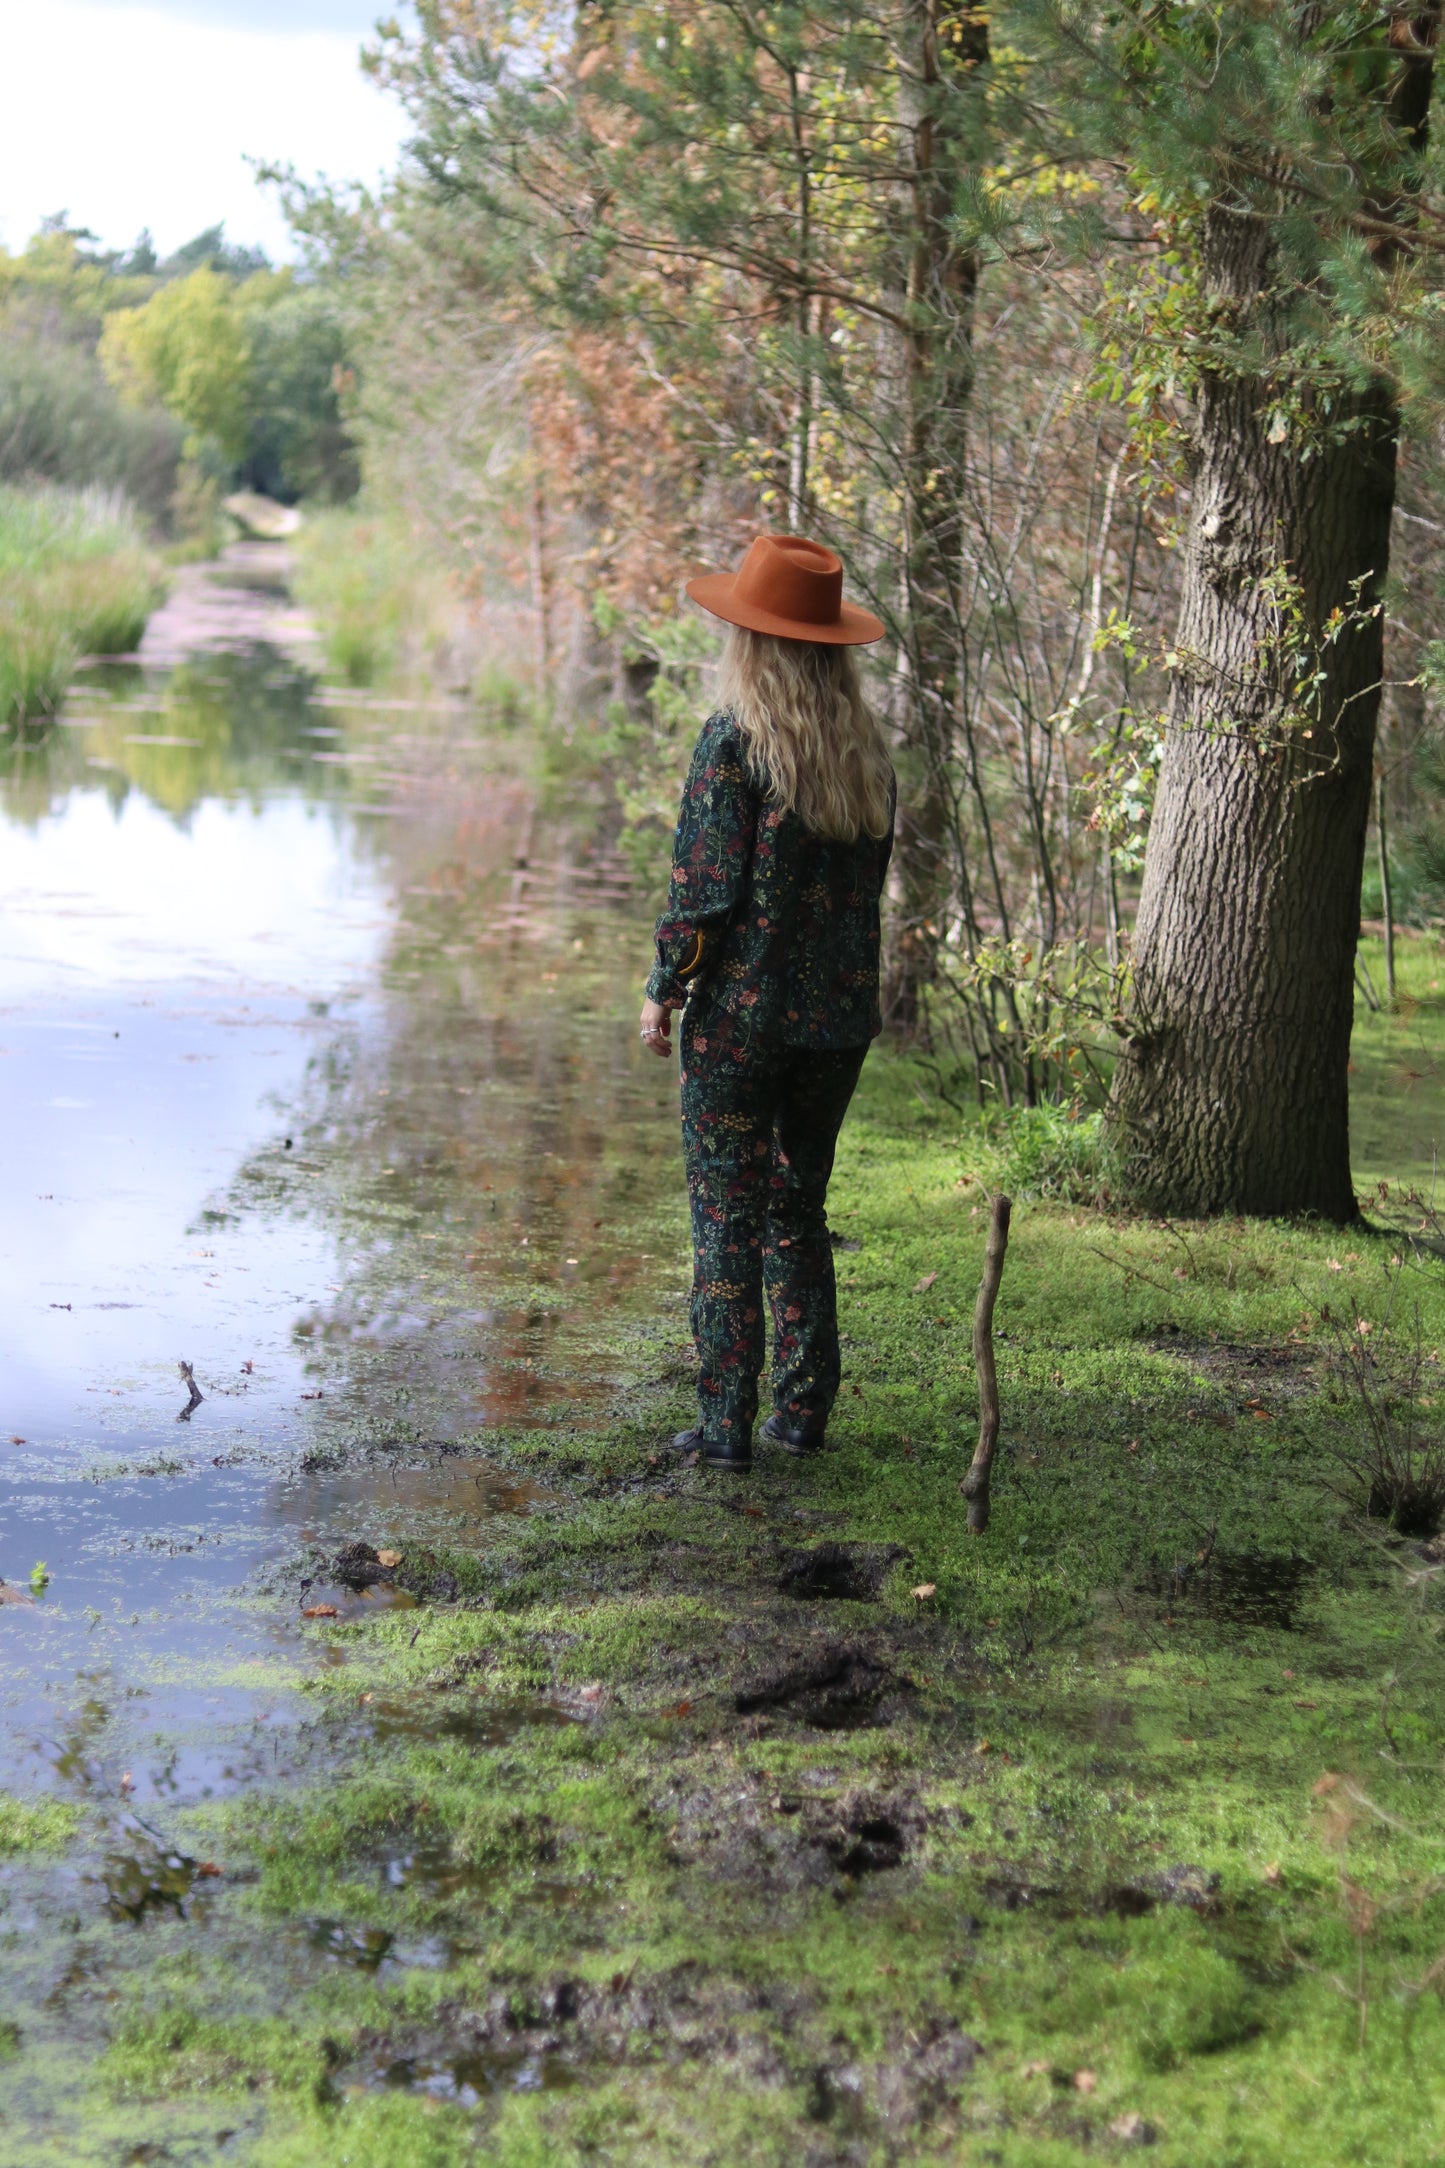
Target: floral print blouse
{"x": 769, "y": 933}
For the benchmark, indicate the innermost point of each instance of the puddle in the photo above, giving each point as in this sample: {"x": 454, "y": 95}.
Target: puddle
{"x": 468, "y": 2080}
{"x": 327, "y": 1075}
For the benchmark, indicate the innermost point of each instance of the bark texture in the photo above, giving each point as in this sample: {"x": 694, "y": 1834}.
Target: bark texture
{"x": 1233, "y": 1092}
{"x": 942, "y": 46}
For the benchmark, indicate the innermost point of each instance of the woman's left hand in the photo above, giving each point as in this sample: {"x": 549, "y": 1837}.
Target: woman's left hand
{"x": 657, "y": 1028}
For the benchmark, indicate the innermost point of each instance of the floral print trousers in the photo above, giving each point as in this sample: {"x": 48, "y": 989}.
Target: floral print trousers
{"x": 759, "y": 1129}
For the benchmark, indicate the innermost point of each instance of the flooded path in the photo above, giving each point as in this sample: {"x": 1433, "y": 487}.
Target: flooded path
{"x": 317, "y": 1074}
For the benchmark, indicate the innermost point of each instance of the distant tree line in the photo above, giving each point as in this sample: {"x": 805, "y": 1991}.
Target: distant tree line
{"x": 170, "y": 379}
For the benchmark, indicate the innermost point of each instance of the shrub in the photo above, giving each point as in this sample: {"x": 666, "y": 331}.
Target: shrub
{"x": 76, "y": 578}
{"x": 1058, "y": 1152}
{"x": 1393, "y": 1459}
{"x": 61, "y": 423}
{"x": 380, "y": 604}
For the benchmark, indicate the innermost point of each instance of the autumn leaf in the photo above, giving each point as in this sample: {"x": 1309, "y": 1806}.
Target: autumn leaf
{"x": 924, "y": 1590}
{"x": 388, "y": 1558}
{"x": 320, "y": 1610}
{"x": 922, "y": 1286}
{"x": 1085, "y": 2081}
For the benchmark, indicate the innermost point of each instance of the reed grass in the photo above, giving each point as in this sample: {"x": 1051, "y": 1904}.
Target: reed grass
{"x": 358, "y": 577}
{"x": 76, "y": 578}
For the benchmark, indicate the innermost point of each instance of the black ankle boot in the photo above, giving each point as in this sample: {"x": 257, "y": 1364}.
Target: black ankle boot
{"x": 800, "y": 1438}
{"x": 716, "y": 1452}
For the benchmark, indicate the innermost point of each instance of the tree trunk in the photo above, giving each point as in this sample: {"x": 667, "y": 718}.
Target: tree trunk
{"x": 1232, "y": 1093}
{"x": 942, "y": 46}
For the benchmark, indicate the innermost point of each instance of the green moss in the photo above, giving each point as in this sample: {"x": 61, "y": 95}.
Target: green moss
{"x": 34, "y": 1825}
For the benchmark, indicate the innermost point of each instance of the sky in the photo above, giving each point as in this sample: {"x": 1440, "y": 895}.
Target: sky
{"x": 133, "y": 113}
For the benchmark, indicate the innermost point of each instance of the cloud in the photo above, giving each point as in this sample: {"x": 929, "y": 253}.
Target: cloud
{"x": 128, "y": 116}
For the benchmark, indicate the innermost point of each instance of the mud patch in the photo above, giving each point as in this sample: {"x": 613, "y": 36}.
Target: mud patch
{"x": 1283, "y": 1369}
{"x": 772, "y": 1843}
{"x": 920, "y": 2079}
{"x": 1243, "y": 1588}
{"x": 1193, "y": 1887}
{"x": 851, "y": 1571}
{"x": 838, "y": 1689}
{"x": 151, "y": 1878}
{"x": 765, "y": 2037}
{"x": 415, "y": 1570}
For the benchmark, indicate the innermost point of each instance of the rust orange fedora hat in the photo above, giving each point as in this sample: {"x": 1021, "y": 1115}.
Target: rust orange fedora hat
{"x": 790, "y": 588}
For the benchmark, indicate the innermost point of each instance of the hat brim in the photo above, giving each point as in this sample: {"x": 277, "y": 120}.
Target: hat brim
{"x": 716, "y": 592}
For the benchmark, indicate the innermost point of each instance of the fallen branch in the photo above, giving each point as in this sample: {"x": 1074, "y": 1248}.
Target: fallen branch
{"x": 975, "y": 1484}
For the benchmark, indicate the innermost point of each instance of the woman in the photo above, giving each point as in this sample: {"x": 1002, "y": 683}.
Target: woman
{"x": 769, "y": 940}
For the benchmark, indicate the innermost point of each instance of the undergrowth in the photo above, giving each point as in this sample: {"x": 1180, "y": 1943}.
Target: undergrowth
{"x": 76, "y": 578}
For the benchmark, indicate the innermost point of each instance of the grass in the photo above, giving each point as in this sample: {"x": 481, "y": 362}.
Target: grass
{"x": 76, "y": 578}
{"x": 1162, "y": 1755}
{"x": 373, "y": 597}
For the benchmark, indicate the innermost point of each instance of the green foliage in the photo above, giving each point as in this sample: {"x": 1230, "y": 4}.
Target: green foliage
{"x": 353, "y": 575}
{"x": 649, "y": 737}
{"x": 297, "y": 441}
{"x": 1055, "y": 1152}
{"x": 187, "y": 350}
{"x": 60, "y": 288}
{"x": 380, "y": 600}
{"x": 76, "y": 578}
{"x": 249, "y": 362}
{"x": 62, "y": 422}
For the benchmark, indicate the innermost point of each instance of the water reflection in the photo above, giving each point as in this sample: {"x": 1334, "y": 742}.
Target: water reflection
{"x": 318, "y": 1031}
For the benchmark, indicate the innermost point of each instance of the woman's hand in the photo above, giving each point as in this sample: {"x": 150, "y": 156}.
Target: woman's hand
{"x": 657, "y": 1028}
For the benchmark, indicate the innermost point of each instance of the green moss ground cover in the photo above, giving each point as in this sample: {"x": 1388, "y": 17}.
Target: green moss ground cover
{"x": 1120, "y": 1826}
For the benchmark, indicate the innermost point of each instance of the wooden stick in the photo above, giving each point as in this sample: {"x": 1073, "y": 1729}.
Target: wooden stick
{"x": 975, "y": 1484}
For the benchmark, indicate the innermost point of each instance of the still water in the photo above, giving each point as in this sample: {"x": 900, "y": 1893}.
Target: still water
{"x": 318, "y": 1074}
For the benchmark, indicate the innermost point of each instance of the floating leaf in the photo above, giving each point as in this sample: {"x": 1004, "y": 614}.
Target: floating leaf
{"x": 320, "y": 1610}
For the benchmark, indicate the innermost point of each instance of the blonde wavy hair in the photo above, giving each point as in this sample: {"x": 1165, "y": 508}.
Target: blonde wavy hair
{"x": 799, "y": 707}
